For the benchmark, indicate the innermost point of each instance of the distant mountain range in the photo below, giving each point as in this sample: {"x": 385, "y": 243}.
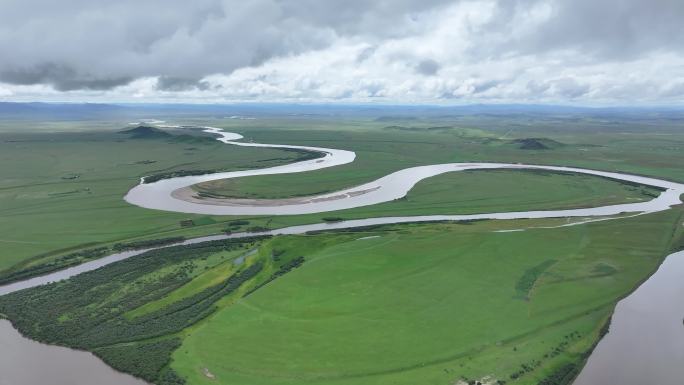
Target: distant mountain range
{"x": 79, "y": 111}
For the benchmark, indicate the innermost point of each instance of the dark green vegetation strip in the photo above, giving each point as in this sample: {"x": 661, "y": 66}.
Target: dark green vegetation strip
{"x": 146, "y": 360}
{"x": 176, "y": 174}
{"x": 20, "y": 273}
{"x": 562, "y": 376}
{"x": 78, "y": 257}
{"x": 528, "y": 279}
{"x": 284, "y": 269}
{"x": 91, "y": 311}
{"x": 87, "y": 311}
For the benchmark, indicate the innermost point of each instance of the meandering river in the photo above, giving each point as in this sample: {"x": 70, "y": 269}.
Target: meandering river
{"x": 175, "y": 194}
{"x": 646, "y": 341}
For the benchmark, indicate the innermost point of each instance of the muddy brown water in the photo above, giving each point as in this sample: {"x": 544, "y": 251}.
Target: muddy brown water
{"x": 645, "y": 344}
{"x": 27, "y": 362}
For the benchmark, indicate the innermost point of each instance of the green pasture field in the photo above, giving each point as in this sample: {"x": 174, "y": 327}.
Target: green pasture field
{"x": 61, "y": 191}
{"x": 63, "y": 182}
{"x": 429, "y": 304}
{"x": 381, "y": 150}
{"x": 483, "y": 191}
{"x": 434, "y": 303}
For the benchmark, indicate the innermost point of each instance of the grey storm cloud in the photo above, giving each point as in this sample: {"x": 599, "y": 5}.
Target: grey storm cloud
{"x": 99, "y": 45}
{"x": 608, "y": 29}
{"x": 167, "y": 83}
{"x": 614, "y": 29}
{"x": 62, "y": 77}
{"x": 570, "y": 88}
{"x": 485, "y": 86}
{"x": 427, "y": 67}
{"x": 96, "y": 44}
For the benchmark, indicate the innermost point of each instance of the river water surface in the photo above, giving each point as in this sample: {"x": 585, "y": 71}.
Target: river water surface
{"x": 645, "y": 344}
{"x": 26, "y": 362}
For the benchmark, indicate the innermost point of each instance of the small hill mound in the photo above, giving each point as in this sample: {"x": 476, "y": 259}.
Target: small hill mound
{"x": 145, "y": 132}
{"x": 537, "y": 144}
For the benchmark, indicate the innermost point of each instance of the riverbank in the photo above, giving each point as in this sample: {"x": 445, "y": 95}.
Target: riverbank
{"x": 48, "y": 364}
{"x": 645, "y": 341}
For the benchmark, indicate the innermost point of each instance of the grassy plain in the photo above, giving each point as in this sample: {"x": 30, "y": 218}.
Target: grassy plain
{"x": 473, "y": 192}
{"x": 382, "y": 150}
{"x": 429, "y": 304}
{"x": 61, "y": 191}
{"x": 419, "y": 303}
{"x": 406, "y": 304}
{"x": 45, "y": 214}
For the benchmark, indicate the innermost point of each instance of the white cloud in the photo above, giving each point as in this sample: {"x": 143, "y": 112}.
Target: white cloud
{"x": 520, "y": 51}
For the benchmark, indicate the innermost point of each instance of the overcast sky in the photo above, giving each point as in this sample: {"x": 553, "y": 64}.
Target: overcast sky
{"x": 390, "y": 51}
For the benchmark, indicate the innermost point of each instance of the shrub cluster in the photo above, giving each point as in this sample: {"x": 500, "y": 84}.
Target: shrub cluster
{"x": 284, "y": 269}
{"x": 173, "y": 174}
{"x": 144, "y": 360}
{"x": 89, "y": 311}
{"x": 78, "y": 257}
{"x": 562, "y": 376}
{"x": 58, "y": 263}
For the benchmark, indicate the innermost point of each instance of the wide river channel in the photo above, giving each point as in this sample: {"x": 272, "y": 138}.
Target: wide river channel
{"x": 646, "y": 339}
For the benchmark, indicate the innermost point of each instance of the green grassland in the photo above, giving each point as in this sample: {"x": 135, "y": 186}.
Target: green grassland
{"x": 515, "y": 301}
{"x": 481, "y": 191}
{"x": 61, "y": 191}
{"x": 403, "y": 304}
{"x": 381, "y": 151}
{"x": 430, "y": 304}
{"x": 63, "y": 184}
